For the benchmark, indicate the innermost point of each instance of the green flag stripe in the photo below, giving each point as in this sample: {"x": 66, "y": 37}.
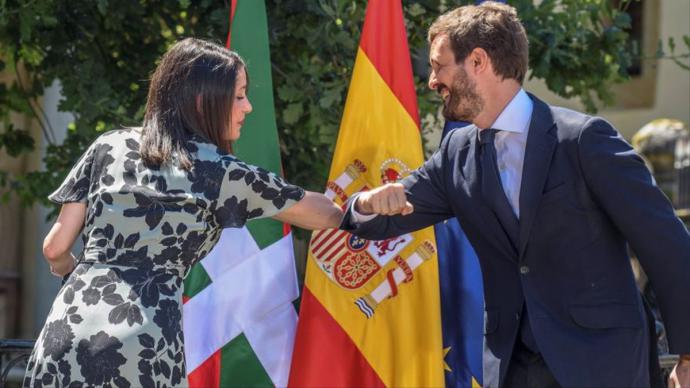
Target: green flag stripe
{"x": 265, "y": 231}
{"x": 258, "y": 143}
{"x": 239, "y": 366}
{"x": 196, "y": 280}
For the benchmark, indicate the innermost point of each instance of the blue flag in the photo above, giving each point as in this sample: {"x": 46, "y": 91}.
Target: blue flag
{"x": 462, "y": 301}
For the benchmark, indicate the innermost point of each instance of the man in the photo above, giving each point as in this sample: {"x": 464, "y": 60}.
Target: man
{"x": 548, "y": 197}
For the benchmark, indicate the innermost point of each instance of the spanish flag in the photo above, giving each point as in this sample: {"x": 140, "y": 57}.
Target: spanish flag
{"x": 370, "y": 310}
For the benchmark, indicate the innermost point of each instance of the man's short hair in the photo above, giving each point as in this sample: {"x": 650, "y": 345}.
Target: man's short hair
{"x": 492, "y": 26}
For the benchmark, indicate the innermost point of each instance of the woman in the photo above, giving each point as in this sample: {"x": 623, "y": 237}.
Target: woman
{"x": 151, "y": 203}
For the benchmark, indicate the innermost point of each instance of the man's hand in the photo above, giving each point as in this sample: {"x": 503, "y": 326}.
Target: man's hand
{"x": 680, "y": 376}
{"x": 387, "y": 200}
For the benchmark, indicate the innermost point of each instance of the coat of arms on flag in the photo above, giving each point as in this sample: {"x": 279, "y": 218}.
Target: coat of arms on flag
{"x": 351, "y": 261}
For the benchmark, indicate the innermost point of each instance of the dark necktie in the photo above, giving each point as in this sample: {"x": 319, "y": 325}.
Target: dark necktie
{"x": 492, "y": 190}
{"x": 494, "y": 196}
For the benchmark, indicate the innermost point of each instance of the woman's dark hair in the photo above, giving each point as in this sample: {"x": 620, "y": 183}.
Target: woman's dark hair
{"x": 191, "y": 93}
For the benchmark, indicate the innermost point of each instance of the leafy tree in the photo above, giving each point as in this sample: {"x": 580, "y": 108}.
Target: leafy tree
{"x": 103, "y": 51}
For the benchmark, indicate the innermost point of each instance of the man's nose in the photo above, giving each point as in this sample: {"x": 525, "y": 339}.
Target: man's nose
{"x": 433, "y": 82}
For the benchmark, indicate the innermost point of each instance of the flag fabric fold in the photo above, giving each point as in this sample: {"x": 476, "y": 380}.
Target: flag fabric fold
{"x": 239, "y": 321}
{"x": 370, "y": 310}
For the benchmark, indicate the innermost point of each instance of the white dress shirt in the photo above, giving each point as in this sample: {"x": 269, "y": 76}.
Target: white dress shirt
{"x": 510, "y": 142}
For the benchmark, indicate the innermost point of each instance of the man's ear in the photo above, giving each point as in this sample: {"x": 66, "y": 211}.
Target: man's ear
{"x": 478, "y": 61}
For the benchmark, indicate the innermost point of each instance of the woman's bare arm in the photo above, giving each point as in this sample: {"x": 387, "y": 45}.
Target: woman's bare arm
{"x": 314, "y": 211}
{"x": 57, "y": 246}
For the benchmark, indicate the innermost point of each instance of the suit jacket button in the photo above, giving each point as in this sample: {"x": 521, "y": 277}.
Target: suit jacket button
{"x": 524, "y": 270}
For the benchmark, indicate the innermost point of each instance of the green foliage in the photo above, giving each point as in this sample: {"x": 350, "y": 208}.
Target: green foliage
{"x": 103, "y": 52}
{"x": 579, "y": 47}
{"x": 313, "y": 47}
{"x": 16, "y": 141}
{"x": 682, "y": 59}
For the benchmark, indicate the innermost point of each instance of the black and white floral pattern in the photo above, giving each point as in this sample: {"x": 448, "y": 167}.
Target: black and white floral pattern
{"x": 117, "y": 320}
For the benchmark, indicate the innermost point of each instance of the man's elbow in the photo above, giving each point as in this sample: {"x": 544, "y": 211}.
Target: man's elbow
{"x": 372, "y": 232}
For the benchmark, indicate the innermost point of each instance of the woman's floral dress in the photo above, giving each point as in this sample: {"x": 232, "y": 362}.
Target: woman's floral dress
{"x": 117, "y": 320}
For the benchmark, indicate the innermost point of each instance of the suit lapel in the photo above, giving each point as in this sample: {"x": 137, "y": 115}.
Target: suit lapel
{"x": 541, "y": 143}
{"x": 486, "y": 218}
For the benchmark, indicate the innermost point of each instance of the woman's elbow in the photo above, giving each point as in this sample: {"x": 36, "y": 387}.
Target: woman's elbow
{"x": 52, "y": 250}
{"x": 327, "y": 216}
{"x": 314, "y": 211}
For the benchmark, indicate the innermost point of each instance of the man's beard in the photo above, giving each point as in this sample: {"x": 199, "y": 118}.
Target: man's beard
{"x": 463, "y": 102}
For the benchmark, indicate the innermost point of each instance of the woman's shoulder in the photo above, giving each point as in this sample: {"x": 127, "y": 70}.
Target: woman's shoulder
{"x": 205, "y": 150}
{"x": 209, "y": 157}
{"x": 124, "y": 137}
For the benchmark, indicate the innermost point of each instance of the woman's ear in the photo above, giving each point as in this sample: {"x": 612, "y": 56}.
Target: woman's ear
{"x": 198, "y": 104}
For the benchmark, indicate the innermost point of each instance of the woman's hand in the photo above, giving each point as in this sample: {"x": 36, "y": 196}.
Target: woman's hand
{"x": 63, "y": 267}
{"x": 314, "y": 211}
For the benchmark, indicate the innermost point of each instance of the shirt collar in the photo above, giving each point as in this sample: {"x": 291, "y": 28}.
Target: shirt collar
{"x": 516, "y": 116}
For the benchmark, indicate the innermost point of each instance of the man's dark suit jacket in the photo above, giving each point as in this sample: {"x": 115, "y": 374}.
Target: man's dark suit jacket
{"x": 584, "y": 194}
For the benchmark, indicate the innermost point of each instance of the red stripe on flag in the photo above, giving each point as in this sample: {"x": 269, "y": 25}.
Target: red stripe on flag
{"x": 206, "y": 374}
{"x": 323, "y": 240}
{"x": 233, "y": 6}
{"x": 384, "y": 40}
{"x": 319, "y": 235}
{"x": 333, "y": 255}
{"x": 337, "y": 362}
{"x": 336, "y": 240}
